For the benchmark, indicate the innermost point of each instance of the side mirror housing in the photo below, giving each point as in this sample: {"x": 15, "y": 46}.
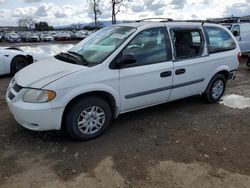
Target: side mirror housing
{"x": 126, "y": 60}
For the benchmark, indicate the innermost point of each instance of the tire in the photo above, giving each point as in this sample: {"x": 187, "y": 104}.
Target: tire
{"x": 18, "y": 63}
{"x": 88, "y": 118}
{"x": 248, "y": 62}
{"x": 215, "y": 89}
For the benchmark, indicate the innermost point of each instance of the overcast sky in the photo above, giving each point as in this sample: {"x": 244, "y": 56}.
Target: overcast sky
{"x": 63, "y": 12}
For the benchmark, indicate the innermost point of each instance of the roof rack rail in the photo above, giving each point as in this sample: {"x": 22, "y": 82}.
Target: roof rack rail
{"x": 163, "y": 19}
{"x": 230, "y": 20}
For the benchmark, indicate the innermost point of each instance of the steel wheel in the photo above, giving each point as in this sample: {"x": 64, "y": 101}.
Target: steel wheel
{"x": 91, "y": 120}
{"x": 217, "y": 89}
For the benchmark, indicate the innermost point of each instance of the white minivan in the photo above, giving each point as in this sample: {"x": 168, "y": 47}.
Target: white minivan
{"x": 122, "y": 68}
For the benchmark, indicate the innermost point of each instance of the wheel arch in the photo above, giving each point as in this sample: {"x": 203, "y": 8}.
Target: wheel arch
{"x": 225, "y": 73}
{"x": 102, "y": 94}
{"x": 223, "y": 70}
{"x": 29, "y": 59}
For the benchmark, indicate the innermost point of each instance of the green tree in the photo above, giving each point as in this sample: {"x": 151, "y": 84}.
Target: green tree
{"x": 42, "y": 26}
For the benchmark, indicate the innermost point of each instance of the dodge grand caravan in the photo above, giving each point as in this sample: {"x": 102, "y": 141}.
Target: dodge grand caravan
{"x": 119, "y": 69}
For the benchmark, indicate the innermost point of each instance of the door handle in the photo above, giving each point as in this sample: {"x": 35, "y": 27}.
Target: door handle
{"x": 166, "y": 74}
{"x": 180, "y": 71}
{"x": 239, "y": 38}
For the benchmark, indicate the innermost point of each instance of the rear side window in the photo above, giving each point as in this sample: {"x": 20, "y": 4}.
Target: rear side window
{"x": 219, "y": 40}
{"x": 188, "y": 43}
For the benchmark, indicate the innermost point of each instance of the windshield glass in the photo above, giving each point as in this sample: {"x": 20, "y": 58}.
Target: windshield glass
{"x": 99, "y": 45}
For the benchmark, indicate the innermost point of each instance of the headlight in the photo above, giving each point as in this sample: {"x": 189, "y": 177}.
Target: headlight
{"x": 38, "y": 96}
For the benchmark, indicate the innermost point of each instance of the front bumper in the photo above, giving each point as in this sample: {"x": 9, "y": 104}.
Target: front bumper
{"x": 231, "y": 75}
{"x": 37, "y": 120}
{"x": 33, "y": 116}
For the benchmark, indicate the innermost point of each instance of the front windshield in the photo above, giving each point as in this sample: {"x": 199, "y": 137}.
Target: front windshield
{"x": 98, "y": 46}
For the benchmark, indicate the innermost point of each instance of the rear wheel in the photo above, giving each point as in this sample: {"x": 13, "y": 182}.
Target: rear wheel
{"x": 88, "y": 118}
{"x": 18, "y": 63}
{"x": 215, "y": 89}
{"x": 248, "y": 62}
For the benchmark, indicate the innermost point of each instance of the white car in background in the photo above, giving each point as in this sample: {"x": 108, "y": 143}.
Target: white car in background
{"x": 46, "y": 37}
{"x": 12, "y": 37}
{"x": 122, "y": 68}
{"x": 12, "y": 60}
{"x": 33, "y": 38}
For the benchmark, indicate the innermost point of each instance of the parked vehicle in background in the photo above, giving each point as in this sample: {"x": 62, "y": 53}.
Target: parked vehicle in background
{"x": 46, "y": 37}
{"x": 13, "y": 59}
{"x": 37, "y": 36}
{"x": 241, "y": 32}
{"x": 53, "y": 34}
{"x": 77, "y": 35}
{"x": 123, "y": 68}
{"x": 24, "y": 37}
{"x": 12, "y": 37}
{"x": 62, "y": 37}
{"x": 33, "y": 38}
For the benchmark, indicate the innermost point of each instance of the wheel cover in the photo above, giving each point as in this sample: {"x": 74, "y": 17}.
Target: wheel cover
{"x": 217, "y": 89}
{"x": 91, "y": 120}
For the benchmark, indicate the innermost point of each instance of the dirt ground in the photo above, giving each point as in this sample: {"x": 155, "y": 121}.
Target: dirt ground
{"x": 186, "y": 143}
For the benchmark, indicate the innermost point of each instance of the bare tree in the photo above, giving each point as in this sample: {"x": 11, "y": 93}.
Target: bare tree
{"x": 26, "y": 22}
{"x": 94, "y": 6}
{"x": 116, "y": 6}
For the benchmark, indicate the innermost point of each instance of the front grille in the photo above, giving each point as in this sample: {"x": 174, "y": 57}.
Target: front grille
{"x": 17, "y": 87}
{"x": 11, "y": 96}
{"x": 13, "y": 89}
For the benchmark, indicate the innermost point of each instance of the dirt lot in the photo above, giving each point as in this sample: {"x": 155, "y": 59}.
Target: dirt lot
{"x": 186, "y": 143}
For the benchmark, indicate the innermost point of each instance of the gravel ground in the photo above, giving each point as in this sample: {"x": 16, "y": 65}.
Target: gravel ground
{"x": 186, "y": 143}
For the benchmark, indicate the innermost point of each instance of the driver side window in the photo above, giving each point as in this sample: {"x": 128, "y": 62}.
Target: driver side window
{"x": 148, "y": 47}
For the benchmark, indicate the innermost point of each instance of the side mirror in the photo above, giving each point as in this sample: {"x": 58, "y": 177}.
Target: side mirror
{"x": 235, "y": 33}
{"x": 126, "y": 59}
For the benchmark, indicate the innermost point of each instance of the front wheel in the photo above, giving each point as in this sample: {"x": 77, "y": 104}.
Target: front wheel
{"x": 88, "y": 118}
{"x": 215, "y": 89}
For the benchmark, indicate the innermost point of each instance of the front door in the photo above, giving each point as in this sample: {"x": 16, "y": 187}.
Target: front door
{"x": 149, "y": 80}
{"x": 2, "y": 63}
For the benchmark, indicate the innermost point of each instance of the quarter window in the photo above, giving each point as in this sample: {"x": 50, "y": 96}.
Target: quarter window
{"x": 148, "y": 47}
{"x": 219, "y": 40}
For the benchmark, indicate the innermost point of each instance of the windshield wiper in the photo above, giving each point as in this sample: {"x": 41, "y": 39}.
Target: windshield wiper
{"x": 80, "y": 56}
{"x": 68, "y": 57}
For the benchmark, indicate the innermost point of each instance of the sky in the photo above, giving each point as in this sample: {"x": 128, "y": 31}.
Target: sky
{"x": 65, "y": 12}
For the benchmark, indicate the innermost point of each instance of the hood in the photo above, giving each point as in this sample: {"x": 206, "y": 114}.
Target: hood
{"x": 40, "y": 74}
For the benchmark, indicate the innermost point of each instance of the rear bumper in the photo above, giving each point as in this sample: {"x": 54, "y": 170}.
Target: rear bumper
{"x": 231, "y": 75}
